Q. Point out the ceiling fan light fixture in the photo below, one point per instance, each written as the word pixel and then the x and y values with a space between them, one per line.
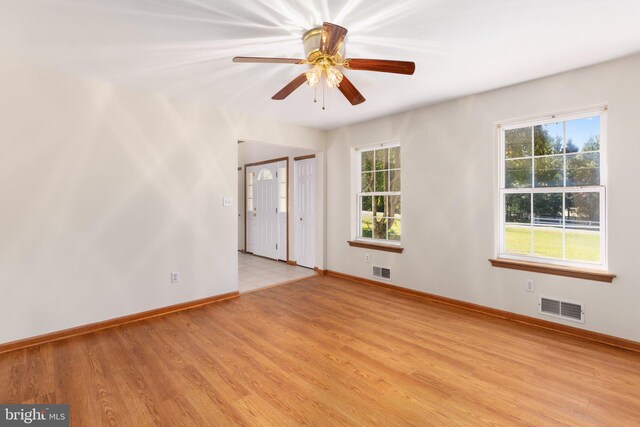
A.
pixel 314 75
pixel 334 77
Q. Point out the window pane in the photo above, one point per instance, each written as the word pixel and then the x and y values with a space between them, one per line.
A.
pixel 382 183
pixel 583 245
pixel 367 182
pixel 366 205
pixel 518 173
pixel 380 228
pixel 394 178
pixel 583 169
pixel 582 219
pixel 547 213
pixel 547 209
pixel 366 220
pixel 366 226
pixel 379 206
pixel 517 239
pixel 395 231
pixel 265 175
pixel 393 206
pixel 382 159
pixel 582 210
pixel 547 139
pixel 583 134
pixel 549 171
pixel 367 161
pixel 394 158
pixel 518 208
pixel 517 142
pixel 547 242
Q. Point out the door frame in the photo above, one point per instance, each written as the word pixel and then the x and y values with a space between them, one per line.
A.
pixel 264 162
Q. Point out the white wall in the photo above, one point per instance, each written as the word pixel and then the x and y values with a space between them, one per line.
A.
pixel 105 191
pixel 449 162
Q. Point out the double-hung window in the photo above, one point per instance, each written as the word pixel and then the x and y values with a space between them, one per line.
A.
pixel 552 192
pixel 379 213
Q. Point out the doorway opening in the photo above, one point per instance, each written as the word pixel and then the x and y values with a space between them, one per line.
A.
pixel 276 214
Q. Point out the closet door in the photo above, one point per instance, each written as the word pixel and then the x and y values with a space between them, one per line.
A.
pixel 305 219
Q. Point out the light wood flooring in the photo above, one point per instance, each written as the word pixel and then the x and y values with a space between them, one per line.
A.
pixel 325 352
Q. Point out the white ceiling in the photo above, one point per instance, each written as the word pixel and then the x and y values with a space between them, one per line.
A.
pixel 183 48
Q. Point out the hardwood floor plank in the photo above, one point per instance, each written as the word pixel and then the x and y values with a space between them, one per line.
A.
pixel 326 351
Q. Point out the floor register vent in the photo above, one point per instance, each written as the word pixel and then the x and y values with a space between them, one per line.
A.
pixel 382 273
pixel 563 309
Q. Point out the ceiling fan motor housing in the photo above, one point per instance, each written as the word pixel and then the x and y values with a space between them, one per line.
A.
pixel 311 41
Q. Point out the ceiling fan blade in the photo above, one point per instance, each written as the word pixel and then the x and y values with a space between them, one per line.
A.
pixel 350 92
pixel 332 36
pixel 262 60
pixel 289 88
pixel 382 65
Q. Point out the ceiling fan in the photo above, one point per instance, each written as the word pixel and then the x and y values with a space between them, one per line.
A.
pixel 324 47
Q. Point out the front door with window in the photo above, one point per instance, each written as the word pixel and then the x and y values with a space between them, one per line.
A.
pixel 265 216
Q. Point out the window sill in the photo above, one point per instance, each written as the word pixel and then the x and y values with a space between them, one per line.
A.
pixel 376 246
pixel 580 273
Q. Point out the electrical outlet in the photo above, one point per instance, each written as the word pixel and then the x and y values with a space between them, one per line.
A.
pixel 175 277
pixel 226 202
pixel 530 285
pixel 367 257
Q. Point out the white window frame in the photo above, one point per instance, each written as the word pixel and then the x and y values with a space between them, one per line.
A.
pixel 358 185
pixel 601 189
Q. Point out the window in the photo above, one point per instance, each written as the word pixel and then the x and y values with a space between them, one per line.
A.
pixel 379 215
pixel 265 175
pixel 552 193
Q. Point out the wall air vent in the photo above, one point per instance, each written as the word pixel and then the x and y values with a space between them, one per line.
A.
pixel 381 272
pixel 562 309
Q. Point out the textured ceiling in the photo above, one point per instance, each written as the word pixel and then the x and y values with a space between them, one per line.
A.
pixel 183 48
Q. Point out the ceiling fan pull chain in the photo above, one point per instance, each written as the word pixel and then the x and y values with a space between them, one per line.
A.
pixel 315 93
pixel 323 94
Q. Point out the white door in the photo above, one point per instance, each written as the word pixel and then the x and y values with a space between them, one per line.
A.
pixel 305 219
pixel 265 200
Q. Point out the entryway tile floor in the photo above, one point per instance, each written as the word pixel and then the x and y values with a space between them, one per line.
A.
pixel 255 272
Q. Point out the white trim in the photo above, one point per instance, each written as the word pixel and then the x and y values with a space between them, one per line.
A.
pixel 388 144
pixel 552 118
pixel 601 189
pixel 379 241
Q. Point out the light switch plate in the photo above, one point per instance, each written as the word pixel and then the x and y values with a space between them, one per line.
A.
pixel 530 285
